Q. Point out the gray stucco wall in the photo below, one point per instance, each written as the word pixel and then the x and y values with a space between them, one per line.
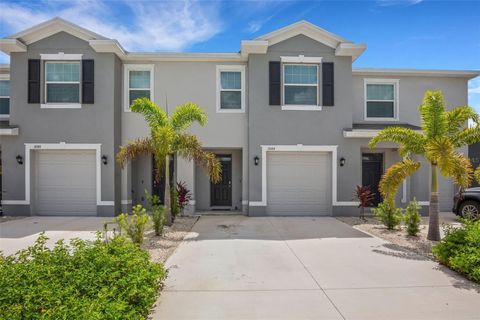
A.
pixel 269 125
pixel 178 83
pixel 93 123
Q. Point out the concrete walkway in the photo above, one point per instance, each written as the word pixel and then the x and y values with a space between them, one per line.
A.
pixel 236 267
pixel 19 234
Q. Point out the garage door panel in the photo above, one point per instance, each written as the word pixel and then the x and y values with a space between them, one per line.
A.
pixel 299 183
pixel 65 182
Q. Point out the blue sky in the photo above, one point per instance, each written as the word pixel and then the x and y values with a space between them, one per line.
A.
pixel 428 34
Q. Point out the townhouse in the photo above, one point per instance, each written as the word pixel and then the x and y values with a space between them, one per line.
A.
pixel 289 118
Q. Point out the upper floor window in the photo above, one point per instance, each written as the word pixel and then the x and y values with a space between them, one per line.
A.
pixel 62 82
pixel 381 98
pixel 4 98
pixel 230 88
pixel 300 84
pixel 138 83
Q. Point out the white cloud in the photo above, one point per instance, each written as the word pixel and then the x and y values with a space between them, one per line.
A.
pixel 254 26
pixel 142 26
pixel 389 3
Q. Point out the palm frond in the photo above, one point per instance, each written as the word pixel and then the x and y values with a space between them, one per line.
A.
pixel 438 148
pixel 153 114
pixel 457 118
pixel 186 114
pixel 432 112
pixel 190 148
pixel 163 139
pixel 466 136
pixel 477 174
pixel 458 167
pixel 394 176
pixel 133 149
pixel 409 140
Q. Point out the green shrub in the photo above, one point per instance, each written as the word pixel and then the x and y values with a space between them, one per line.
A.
pixel 135 226
pixel 157 212
pixel 460 249
pixel 83 280
pixel 412 218
pixel 390 217
pixel 174 203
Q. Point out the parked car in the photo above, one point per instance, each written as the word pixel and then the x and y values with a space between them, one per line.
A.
pixel 467 203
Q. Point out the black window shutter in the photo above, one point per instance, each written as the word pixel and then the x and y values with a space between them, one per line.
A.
pixel 33 81
pixel 327 84
pixel 274 83
pixel 88 88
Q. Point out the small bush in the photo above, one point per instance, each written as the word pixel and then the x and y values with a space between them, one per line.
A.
pixel 365 198
pixel 157 212
pixel 391 217
pixel 460 249
pixel 174 203
pixel 83 280
pixel 136 226
pixel 184 195
pixel 412 218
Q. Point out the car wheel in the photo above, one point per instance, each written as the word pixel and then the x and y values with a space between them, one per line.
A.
pixel 470 210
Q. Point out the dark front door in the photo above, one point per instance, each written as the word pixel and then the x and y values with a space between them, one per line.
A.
pixel 221 193
pixel 158 187
pixel 372 170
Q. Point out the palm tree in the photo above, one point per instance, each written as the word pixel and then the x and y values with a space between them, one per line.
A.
pixel 168 137
pixel 442 133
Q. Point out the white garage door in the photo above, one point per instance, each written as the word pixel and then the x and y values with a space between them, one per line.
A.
pixel 65 182
pixel 299 183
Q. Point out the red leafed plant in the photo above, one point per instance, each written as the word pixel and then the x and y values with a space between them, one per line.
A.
pixel 365 197
pixel 184 195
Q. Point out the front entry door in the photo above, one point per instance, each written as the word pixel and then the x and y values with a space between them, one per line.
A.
pixel 372 170
pixel 221 193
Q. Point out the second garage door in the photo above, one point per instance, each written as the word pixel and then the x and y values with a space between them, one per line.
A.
pixel 299 183
pixel 65 182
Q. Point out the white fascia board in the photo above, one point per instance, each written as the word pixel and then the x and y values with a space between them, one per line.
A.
pixel 300 59
pixel 364 133
pixel 194 57
pixel 9 132
pixel 305 28
pixel 350 50
pixel 61 56
pixel 12 45
pixel 469 74
pixel 253 47
pixel 108 46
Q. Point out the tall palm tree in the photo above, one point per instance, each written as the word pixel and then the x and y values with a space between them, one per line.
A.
pixel 442 133
pixel 168 137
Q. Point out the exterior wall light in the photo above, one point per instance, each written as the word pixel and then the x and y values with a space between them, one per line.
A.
pixel 104 159
pixel 19 159
pixel 256 160
pixel 342 161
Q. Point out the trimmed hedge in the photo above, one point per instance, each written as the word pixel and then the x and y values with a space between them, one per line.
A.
pixel 460 249
pixel 82 280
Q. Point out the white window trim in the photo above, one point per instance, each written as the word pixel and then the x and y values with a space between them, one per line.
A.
pixel 126 82
pixel 296 61
pixel 61 56
pixel 396 85
pixel 29 147
pixel 62 59
pixel 5 77
pixel 300 148
pixel 233 68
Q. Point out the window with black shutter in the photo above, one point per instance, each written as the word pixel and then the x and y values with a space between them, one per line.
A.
pixel 274 83
pixel 34 81
pixel 88 89
pixel 327 84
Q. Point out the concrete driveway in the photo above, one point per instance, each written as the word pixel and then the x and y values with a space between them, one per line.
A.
pixel 21 233
pixel 236 267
